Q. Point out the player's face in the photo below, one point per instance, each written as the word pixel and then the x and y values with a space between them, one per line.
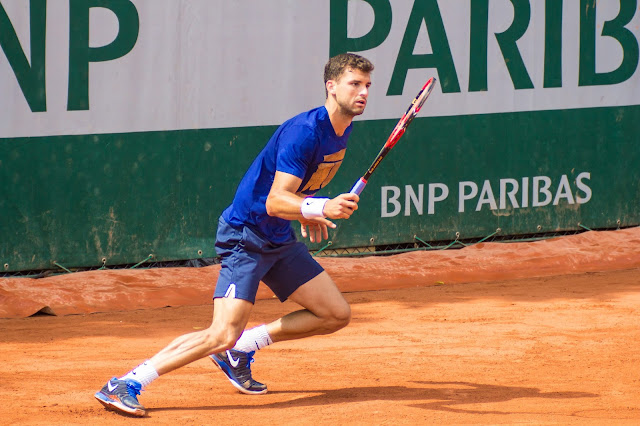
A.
pixel 352 91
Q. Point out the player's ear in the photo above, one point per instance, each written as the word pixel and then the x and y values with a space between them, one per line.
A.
pixel 331 87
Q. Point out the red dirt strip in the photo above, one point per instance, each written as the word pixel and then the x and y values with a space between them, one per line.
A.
pixel 127 289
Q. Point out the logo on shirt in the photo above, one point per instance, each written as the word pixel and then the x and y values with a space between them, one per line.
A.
pixel 325 172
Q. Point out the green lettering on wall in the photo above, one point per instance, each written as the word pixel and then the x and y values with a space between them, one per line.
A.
pixel 615 28
pixel 31 77
pixel 507 42
pixel 441 59
pixel 478 42
pixel 81 54
pixel 339 42
pixel 553 43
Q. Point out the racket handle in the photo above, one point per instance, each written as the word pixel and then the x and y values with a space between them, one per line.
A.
pixel 358 187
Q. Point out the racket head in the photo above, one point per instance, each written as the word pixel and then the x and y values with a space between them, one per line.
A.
pixel 411 112
pixel 419 101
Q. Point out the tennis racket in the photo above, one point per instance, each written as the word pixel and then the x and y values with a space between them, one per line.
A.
pixel 396 134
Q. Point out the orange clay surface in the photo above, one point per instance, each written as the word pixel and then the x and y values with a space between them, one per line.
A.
pixel 542 333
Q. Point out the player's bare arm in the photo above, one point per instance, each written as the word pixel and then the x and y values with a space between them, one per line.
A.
pixel 284 202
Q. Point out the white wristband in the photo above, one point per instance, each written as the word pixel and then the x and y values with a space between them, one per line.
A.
pixel 313 207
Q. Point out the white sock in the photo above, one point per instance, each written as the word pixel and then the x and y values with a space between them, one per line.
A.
pixel 144 374
pixel 253 339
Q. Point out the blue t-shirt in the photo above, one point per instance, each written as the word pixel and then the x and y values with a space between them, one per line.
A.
pixel 305 146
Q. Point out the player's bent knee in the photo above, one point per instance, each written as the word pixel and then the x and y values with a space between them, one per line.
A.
pixel 220 340
pixel 228 342
pixel 340 318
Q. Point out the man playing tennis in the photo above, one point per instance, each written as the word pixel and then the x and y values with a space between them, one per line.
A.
pixel 256 242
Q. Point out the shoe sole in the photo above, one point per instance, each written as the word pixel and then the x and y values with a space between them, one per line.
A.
pixel 118 407
pixel 233 382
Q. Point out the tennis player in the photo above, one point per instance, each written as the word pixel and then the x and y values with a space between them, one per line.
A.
pixel 256 242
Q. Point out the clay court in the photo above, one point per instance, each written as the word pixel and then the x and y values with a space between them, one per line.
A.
pixel 544 332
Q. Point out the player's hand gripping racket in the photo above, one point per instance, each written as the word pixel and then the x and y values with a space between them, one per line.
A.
pixel 397 133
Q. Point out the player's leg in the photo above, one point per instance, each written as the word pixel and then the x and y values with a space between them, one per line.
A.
pixel 297 276
pixel 326 311
pixel 246 257
pixel 291 272
pixel 230 317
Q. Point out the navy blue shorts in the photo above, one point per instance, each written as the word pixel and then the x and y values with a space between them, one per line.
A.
pixel 248 258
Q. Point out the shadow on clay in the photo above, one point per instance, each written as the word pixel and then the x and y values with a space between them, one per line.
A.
pixel 439 396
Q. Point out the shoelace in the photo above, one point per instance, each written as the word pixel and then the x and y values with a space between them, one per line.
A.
pixel 133 389
pixel 250 359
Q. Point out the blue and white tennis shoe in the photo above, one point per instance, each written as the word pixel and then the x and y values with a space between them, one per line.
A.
pixel 121 396
pixel 236 365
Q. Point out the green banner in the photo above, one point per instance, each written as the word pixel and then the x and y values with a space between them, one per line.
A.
pixel 116 199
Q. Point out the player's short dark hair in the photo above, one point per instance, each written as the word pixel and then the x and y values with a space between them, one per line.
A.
pixel 344 61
